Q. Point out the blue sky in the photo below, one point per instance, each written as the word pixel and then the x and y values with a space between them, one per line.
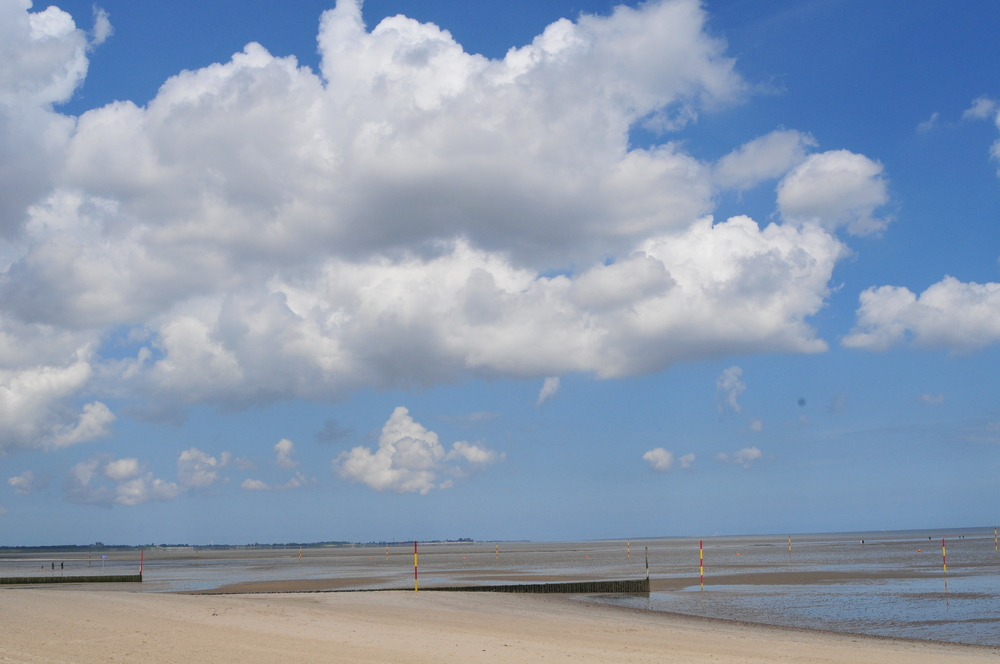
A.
pixel 670 269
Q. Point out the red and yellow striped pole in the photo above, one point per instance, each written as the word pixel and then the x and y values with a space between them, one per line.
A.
pixel 944 557
pixel 629 545
pixel 789 544
pixel 701 564
pixel 416 588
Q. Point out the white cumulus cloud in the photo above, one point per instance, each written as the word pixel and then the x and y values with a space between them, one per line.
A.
pixel 409 458
pixel 764 158
pixel 950 314
pixel 834 189
pixel 123 469
pixel 196 468
pixel 659 459
pixel 83 484
pixel 284 451
pixel 408 214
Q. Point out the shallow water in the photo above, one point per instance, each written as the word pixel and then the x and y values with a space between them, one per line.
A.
pixel 893 585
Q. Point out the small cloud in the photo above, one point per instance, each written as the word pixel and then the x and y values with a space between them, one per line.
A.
pixel 744 457
pixel 195 468
pixel 143 489
pixel 687 461
pixel 285 450
pixel 756 425
pixel 549 390
pixel 472 453
pixel 102 27
pixel 933 399
pixel 729 387
pixel 27 483
pixel 123 469
pixel 254 485
pixel 659 459
pixel 244 463
pixel 332 432
pixel 929 123
pixel 83 485
pixel 982 108
pixel 298 481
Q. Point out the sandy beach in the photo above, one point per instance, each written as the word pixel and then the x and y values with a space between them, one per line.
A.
pixel 73 625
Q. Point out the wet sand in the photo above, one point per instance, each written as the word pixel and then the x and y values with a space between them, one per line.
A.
pixel 55 625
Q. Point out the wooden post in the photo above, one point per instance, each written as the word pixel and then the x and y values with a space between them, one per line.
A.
pixel 789 544
pixel 416 588
pixel 944 557
pixel 142 555
pixel 629 545
pixel 647 563
pixel 701 564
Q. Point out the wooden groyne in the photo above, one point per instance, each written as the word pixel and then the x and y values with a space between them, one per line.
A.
pixel 629 587
pixel 36 580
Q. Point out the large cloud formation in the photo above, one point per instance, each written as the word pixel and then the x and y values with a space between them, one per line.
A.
pixel 409 214
pixel 410 458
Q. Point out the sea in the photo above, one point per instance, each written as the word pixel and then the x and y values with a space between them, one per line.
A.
pixel 907 584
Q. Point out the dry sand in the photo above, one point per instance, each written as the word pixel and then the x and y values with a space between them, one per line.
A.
pixel 64 625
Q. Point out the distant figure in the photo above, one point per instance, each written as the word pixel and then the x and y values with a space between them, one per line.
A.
pixel 53 565
pixel 862 541
pixel 62 566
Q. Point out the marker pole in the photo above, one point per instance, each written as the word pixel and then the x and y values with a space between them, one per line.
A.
pixel 944 557
pixel 142 554
pixel 629 545
pixel 789 544
pixel 300 553
pixel 996 543
pixel 387 552
pixel 647 563
pixel 416 588
pixel 498 551
pixel 701 564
